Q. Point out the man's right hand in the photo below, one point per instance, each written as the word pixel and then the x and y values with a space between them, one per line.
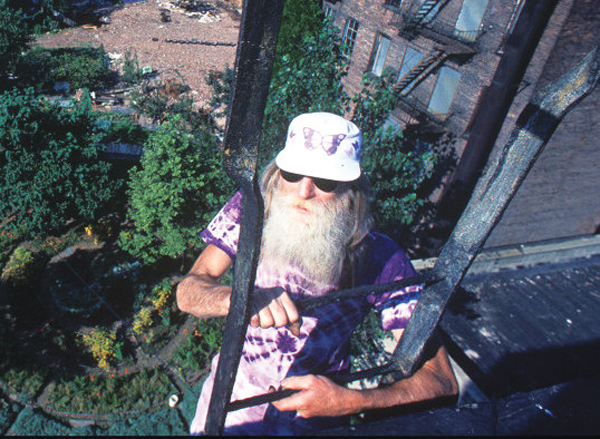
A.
pixel 274 307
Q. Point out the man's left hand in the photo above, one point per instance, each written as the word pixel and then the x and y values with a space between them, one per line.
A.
pixel 317 396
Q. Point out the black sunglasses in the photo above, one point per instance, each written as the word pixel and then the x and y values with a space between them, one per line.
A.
pixel 322 183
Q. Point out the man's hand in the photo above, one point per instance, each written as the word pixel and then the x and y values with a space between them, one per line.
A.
pixel 274 307
pixel 318 396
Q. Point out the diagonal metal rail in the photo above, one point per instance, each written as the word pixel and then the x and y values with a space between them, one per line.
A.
pixel 254 60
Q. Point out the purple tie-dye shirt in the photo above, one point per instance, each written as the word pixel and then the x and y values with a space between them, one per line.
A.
pixel 271 354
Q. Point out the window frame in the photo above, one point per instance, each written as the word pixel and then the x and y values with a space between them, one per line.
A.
pixel 377 63
pixel 349 35
pixel 436 90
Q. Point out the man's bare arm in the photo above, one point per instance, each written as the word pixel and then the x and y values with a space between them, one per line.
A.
pixel 200 293
pixel 320 396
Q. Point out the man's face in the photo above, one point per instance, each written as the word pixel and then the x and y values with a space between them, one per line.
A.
pixel 306 191
pixel 308 226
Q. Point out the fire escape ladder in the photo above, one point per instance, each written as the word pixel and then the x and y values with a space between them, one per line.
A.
pixel 417 20
pixel 419 72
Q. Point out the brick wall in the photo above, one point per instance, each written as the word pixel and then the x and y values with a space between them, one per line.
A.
pixel 559 198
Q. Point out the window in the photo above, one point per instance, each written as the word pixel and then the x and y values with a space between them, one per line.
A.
pixel 443 93
pixel 380 50
pixel 349 36
pixel 469 19
pixel 329 12
pixel 411 59
pixel 393 4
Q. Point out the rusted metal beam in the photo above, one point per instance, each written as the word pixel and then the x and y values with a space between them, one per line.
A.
pixel 254 60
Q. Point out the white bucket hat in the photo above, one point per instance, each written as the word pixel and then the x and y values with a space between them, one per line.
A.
pixel 322 145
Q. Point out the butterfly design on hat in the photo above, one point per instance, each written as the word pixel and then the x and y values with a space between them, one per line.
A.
pixel 313 139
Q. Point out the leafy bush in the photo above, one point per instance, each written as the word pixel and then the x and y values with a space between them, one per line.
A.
pixel 201 343
pixel 30 422
pixel 75 67
pixel 20 377
pixel 112 393
pixel 132 73
pixel 14 39
pixel 120 128
pixel 103 345
pixel 307 83
pixel 19 266
pixel 158 318
pixel 165 422
pixel 404 167
pixel 50 170
pixel 175 191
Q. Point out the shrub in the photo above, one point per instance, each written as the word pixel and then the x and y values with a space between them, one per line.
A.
pixel 132 73
pixel 111 393
pixel 19 267
pixel 164 422
pixel 14 39
pixel 200 344
pixel 307 83
pixel 50 170
pixel 30 422
pixel 103 345
pixel 400 167
pixel 175 191
pixel 142 320
pixel 75 67
pixel 18 375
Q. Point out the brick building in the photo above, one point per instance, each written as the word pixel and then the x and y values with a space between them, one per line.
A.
pixel 469 67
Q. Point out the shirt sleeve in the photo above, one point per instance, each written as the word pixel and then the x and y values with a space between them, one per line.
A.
pixel 396 307
pixel 224 230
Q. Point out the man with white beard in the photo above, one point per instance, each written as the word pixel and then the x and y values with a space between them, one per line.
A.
pixel 317 238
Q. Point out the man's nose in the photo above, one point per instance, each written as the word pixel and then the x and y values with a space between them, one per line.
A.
pixel 306 188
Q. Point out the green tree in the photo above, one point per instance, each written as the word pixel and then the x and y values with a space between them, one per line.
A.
pixel 307 83
pixel 299 20
pixel 14 39
pixel 174 192
pixel 50 169
pixel 402 167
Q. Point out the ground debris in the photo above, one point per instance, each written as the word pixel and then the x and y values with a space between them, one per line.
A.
pixel 202 10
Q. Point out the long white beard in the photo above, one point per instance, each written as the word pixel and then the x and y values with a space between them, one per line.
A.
pixel 316 243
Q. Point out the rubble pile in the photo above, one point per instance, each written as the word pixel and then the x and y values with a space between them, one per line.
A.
pixel 204 11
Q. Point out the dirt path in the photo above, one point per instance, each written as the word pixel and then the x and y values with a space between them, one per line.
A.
pixel 143 27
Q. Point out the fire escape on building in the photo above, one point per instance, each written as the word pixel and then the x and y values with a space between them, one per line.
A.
pixel 419 18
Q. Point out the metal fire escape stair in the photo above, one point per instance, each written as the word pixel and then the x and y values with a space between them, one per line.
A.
pixel 420 71
pixel 418 19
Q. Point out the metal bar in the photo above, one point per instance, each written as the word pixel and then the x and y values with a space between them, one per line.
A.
pixel 314 302
pixel 364 290
pixel 503 176
pixel 254 60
